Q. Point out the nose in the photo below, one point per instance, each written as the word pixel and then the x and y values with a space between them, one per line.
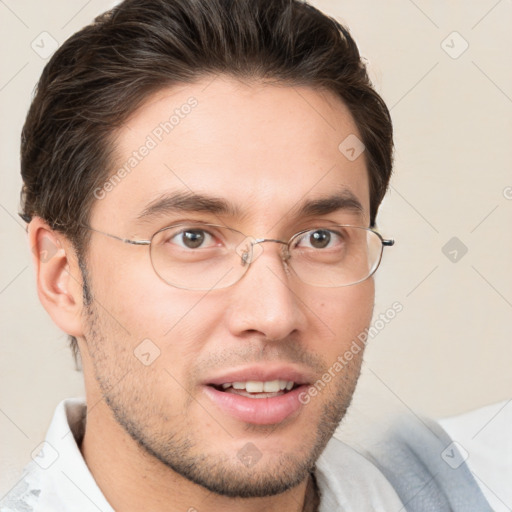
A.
pixel 266 300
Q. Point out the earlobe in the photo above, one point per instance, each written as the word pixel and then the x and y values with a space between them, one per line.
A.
pixel 58 277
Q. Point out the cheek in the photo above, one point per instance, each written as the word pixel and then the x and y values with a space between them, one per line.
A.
pixel 128 289
pixel 344 313
pixel 140 314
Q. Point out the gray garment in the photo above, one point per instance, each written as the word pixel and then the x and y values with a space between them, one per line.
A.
pixel 427 469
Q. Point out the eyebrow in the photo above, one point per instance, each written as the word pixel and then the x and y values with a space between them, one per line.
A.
pixel 180 202
pixel 344 200
pixel 188 202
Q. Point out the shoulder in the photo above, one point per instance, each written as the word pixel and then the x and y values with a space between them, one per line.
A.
pixel 426 467
pixel 57 478
pixel 484 437
pixel 24 496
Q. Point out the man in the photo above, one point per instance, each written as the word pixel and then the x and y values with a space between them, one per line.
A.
pixel 201 183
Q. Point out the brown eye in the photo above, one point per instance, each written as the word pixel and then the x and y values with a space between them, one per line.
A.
pixel 192 239
pixel 320 239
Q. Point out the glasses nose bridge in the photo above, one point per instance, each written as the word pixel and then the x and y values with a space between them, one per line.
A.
pixel 258 241
pixel 275 240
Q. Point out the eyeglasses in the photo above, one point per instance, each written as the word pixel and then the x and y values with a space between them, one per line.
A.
pixel 197 256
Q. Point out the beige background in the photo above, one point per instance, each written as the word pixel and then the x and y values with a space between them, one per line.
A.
pixel 449 350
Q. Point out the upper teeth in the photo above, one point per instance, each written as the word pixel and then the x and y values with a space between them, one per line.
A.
pixel 257 386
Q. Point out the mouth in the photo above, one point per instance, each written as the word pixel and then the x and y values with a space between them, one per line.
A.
pixel 261 396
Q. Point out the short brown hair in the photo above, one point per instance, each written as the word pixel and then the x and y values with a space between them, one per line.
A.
pixel 101 74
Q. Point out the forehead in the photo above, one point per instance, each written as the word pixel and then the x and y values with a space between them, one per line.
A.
pixel 262 148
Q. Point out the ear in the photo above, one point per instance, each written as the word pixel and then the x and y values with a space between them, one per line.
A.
pixel 58 276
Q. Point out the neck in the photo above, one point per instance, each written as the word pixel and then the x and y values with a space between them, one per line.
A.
pixel 133 480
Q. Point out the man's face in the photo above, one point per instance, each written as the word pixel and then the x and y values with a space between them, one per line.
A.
pixel 160 354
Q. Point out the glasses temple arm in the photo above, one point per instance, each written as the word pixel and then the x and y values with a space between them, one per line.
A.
pixel 125 240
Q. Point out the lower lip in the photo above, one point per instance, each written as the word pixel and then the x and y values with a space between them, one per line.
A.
pixel 259 411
